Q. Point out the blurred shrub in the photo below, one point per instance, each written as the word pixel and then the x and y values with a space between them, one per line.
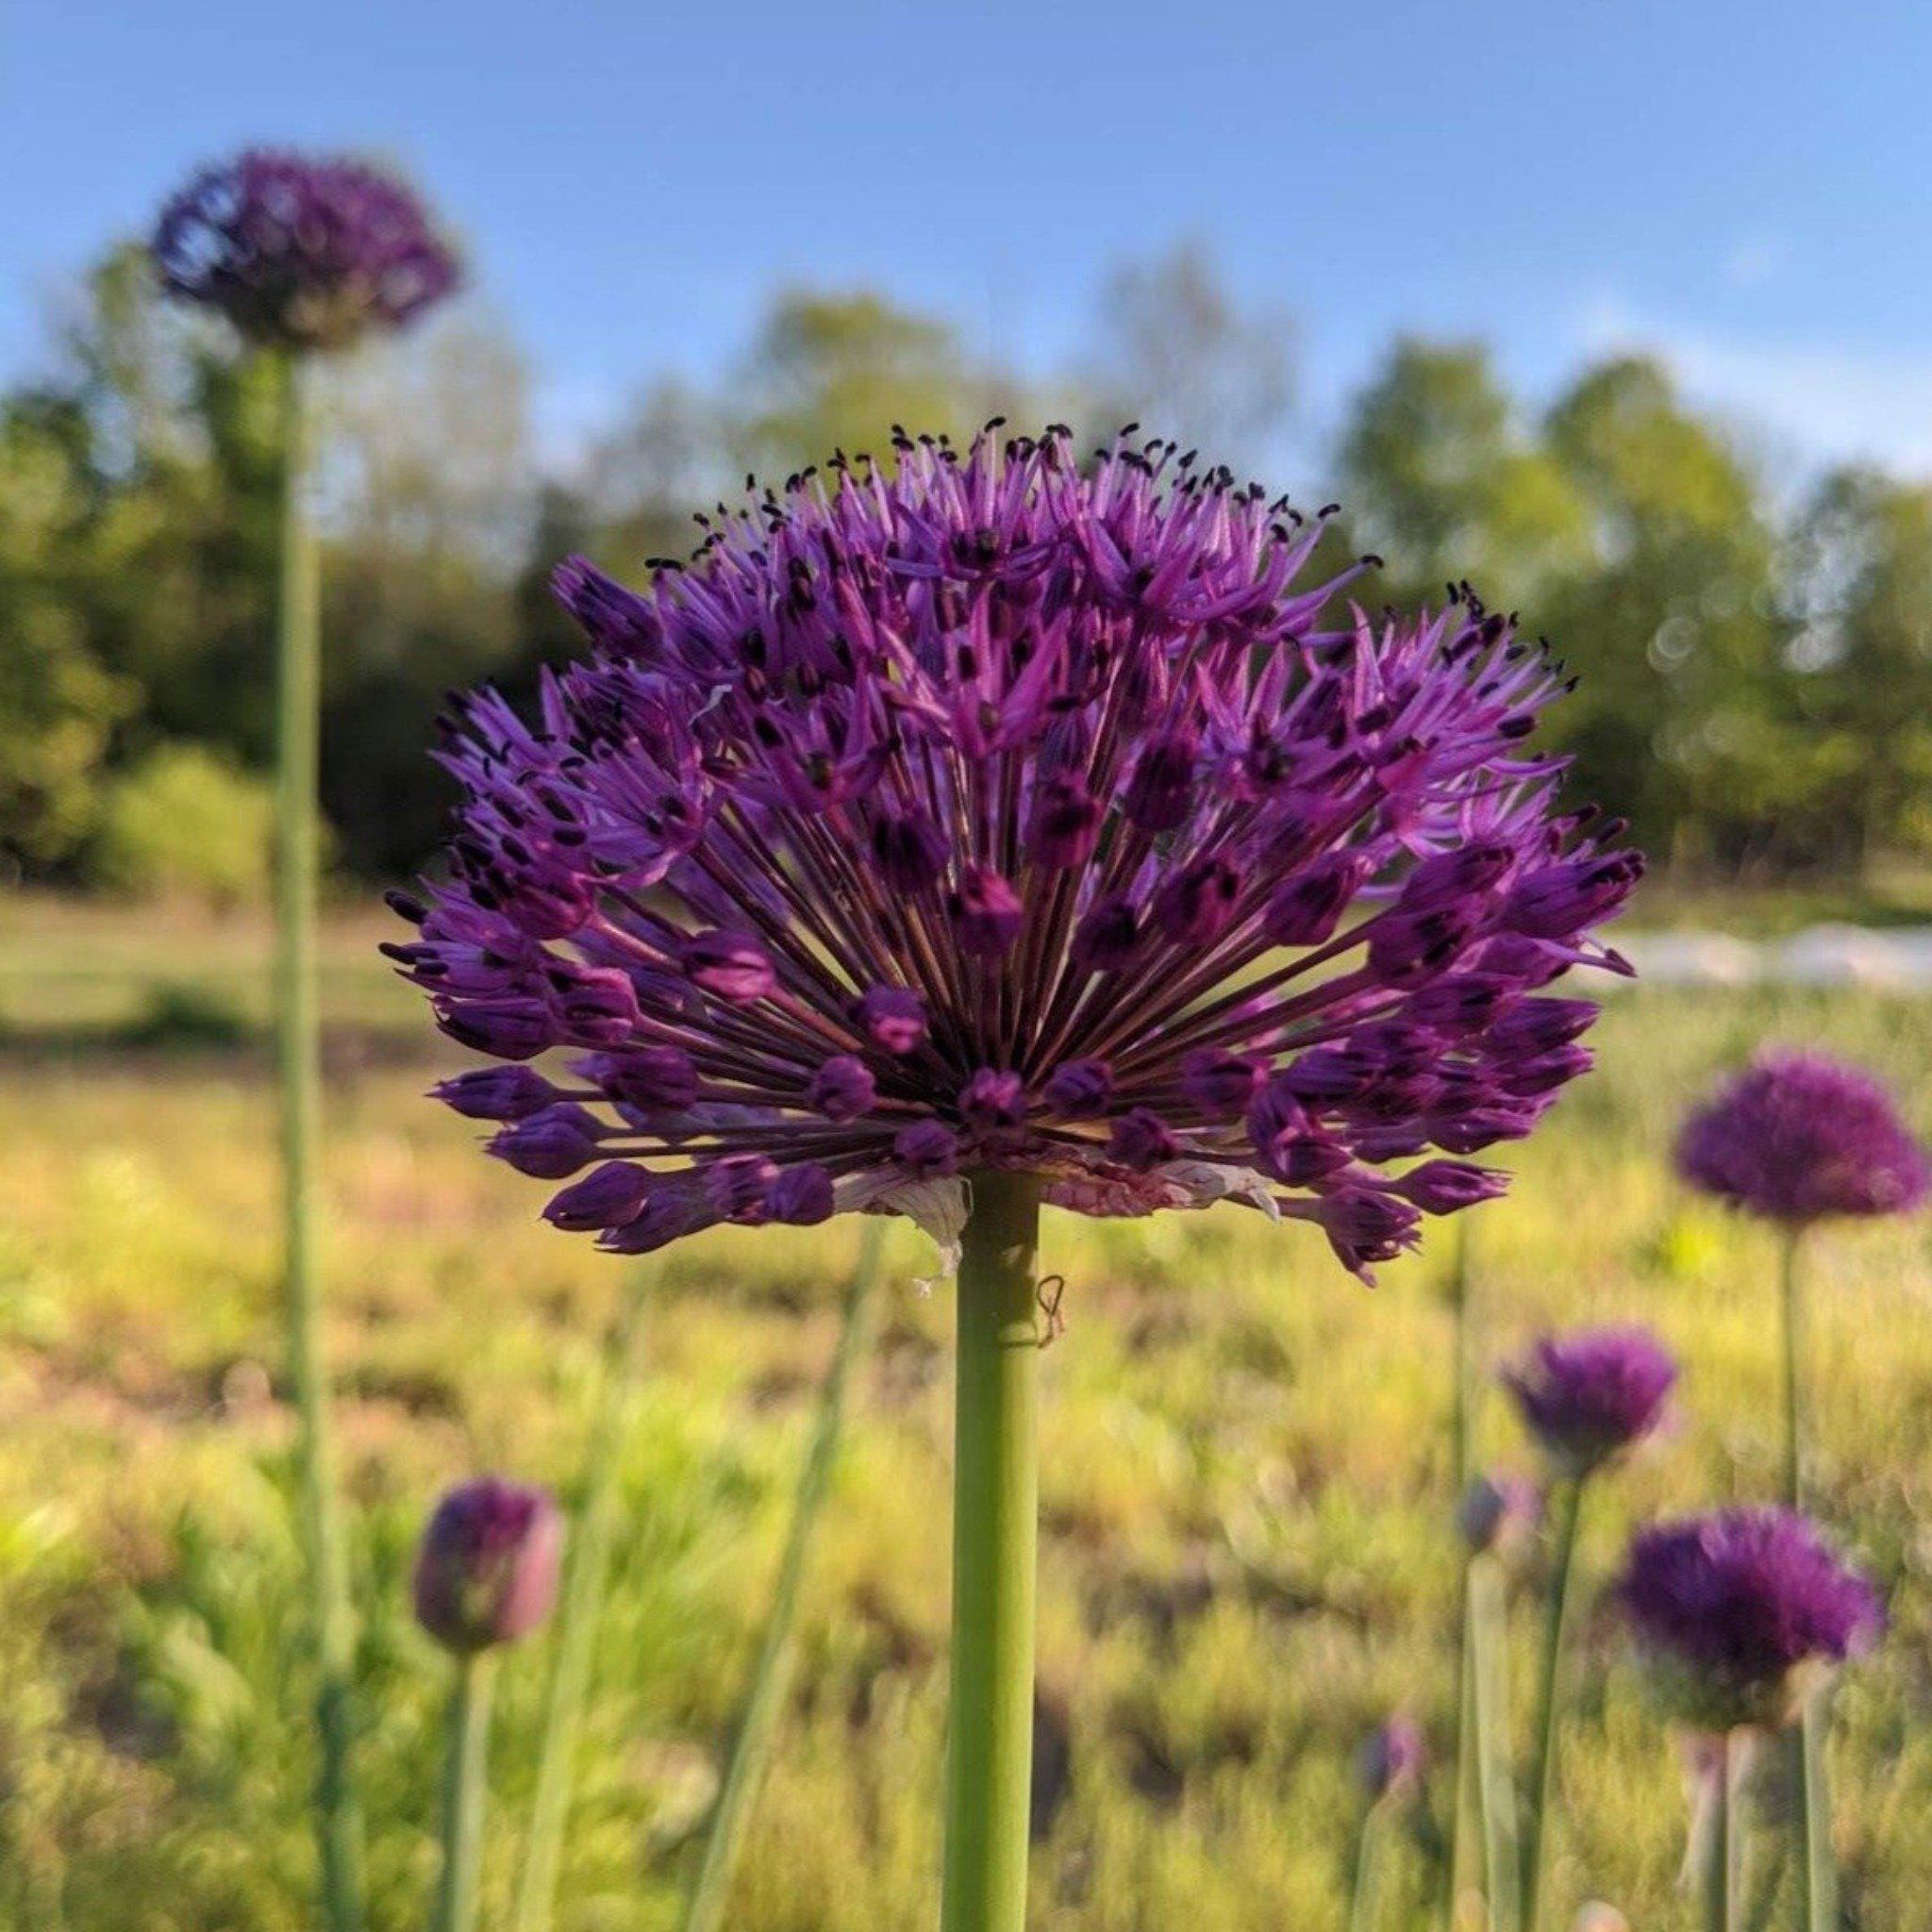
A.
pixel 185 822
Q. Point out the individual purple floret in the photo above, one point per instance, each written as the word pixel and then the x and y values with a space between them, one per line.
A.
pixel 486 1571
pixel 1392 1757
pixel 989 811
pixel 302 253
pixel 1741 1611
pixel 1588 1397
pixel 1797 1136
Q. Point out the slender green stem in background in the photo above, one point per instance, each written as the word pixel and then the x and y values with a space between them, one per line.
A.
pixel 580 1617
pixel 1792 1306
pixel 1362 1903
pixel 995 1510
pixel 1489 1653
pixel 1461 1430
pixel 771 1680
pixel 298 695
pixel 1567 1505
pixel 1719 1851
pixel 1463 1424
pixel 1820 1862
pixel 465 1792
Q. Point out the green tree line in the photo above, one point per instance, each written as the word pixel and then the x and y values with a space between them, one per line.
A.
pixel 1755 665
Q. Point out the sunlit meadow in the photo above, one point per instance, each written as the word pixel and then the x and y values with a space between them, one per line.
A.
pixel 1248 1554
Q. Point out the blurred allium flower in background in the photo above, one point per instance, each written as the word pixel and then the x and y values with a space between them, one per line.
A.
pixel 1797 1136
pixel 1588 1397
pixel 992 814
pixel 487 1568
pixel 1497 1513
pixel 1392 1757
pixel 1740 1610
pixel 302 253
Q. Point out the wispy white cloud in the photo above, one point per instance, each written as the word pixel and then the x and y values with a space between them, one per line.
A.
pixel 1823 402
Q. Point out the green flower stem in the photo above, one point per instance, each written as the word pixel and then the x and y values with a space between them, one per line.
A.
pixel 1366 1895
pixel 1720 1852
pixel 465 1792
pixel 771 1680
pixel 1542 1762
pixel 1461 1420
pixel 1489 1717
pixel 995 1507
pixel 1792 1303
pixel 580 1617
pixel 298 695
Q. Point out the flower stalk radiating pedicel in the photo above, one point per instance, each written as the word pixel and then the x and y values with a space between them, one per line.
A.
pixel 1587 1399
pixel 486 1575
pixel 988 832
pixel 1797 1138
pixel 303 255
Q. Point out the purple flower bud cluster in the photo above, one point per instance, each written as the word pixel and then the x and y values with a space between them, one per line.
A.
pixel 1591 1396
pixel 1736 1611
pixel 486 1567
pixel 300 253
pixel 986 811
pixel 1797 1136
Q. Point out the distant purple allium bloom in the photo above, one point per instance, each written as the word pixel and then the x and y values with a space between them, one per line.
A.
pixel 1740 1610
pixel 957 817
pixel 1497 1512
pixel 486 1571
pixel 1588 1397
pixel 1392 1757
pixel 1797 1136
pixel 302 253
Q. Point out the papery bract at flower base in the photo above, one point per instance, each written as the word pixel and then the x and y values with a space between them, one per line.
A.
pixel 1797 1137
pixel 1740 1611
pixel 991 814
pixel 302 253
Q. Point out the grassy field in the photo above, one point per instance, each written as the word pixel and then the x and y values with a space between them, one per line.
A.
pixel 1248 1557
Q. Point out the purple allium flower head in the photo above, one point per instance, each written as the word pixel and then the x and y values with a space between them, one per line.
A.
pixel 302 253
pixel 991 812
pixel 1392 1757
pixel 1740 1610
pixel 486 1570
pixel 1797 1136
pixel 1588 1397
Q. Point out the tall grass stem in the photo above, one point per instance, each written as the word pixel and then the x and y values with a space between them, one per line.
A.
pixel 1489 1655
pixel 1541 1783
pixel 465 1791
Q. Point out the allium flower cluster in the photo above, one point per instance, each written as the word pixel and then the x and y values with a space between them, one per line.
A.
pixel 487 1568
pixel 1797 1136
pixel 995 813
pixel 1739 1611
pixel 1591 1396
pixel 300 253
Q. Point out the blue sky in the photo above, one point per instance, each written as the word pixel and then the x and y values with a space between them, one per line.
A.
pixel 1743 187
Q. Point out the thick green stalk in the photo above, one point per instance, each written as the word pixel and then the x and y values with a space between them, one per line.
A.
pixel 465 1792
pixel 1792 1308
pixel 1461 1421
pixel 770 1681
pixel 995 1509
pixel 1542 1762
pixel 578 1619
pixel 1489 1717
pixel 1719 1848
pixel 298 703
pixel 1363 1901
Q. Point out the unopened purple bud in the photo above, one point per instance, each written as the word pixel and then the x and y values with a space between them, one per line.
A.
pixel 1497 1512
pixel 843 1088
pixel 1142 1140
pixel 986 912
pixel 993 1098
pixel 595 1006
pixel 1535 1026
pixel 653 1078
pixel 1392 1759
pixel 1305 909
pixel 1558 900
pixel 930 1150
pixel 1194 908
pixel 1458 1003
pixel 507 1030
pixel 800 1196
pixel 1444 1187
pixel 550 1145
pixel 893 1018
pixel 1406 948
pixel 1079 1090
pixel 1547 1071
pixel 1107 936
pixel 496 1094
pixel 1221 1084
pixel 909 850
pixel 608 1196
pixel 1161 793
pixel 486 1570
pixel 732 966
pixel 1064 825
pixel 1468 872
